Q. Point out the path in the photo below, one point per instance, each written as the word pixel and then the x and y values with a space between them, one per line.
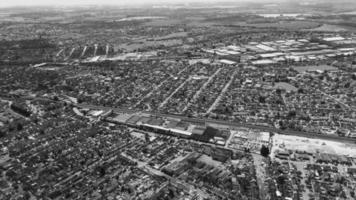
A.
pixel 175 91
pixel 197 94
pixel 84 50
pixel 155 89
pixel 217 101
pixel 95 49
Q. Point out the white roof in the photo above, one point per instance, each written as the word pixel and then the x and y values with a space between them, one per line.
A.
pixel 180 132
pixel 39 65
pixel 157 127
pixel 77 112
pixel 332 39
pixel 72 99
pixel 347 49
pixel 263 62
pixel 227 51
pixel 94 59
pixel 220 142
pixel 232 52
pixel 269 55
pixel 235 48
pixel 96 113
pixel 229 62
pixel 172 129
pixel 265 47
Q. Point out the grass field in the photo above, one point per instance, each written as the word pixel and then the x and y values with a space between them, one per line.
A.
pixel 314 68
pixel 328 28
pixel 290 25
pixel 286 86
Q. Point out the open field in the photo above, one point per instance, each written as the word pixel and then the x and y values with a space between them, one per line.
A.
pixel 314 68
pixel 314 145
pixel 286 86
pixel 328 28
pixel 290 25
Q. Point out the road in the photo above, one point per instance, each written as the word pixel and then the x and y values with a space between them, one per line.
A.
pixel 197 94
pixel 227 123
pixel 336 100
pixel 96 49
pixel 70 54
pixel 156 88
pixel 175 91
pixel 59 52
pixel 107 50
pixel 217 101
pixel 261 175
pixel 84 50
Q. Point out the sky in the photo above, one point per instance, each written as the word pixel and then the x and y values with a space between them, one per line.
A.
pixel 6 3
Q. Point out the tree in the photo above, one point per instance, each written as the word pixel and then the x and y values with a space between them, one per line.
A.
pixel 278 91
pixel 281 180
pixel 337 106
pixel 19 127
pixel 347 85
pixel 42 132
pixel 80 100
pixel 262 99
pixel 147 138
pixel 292 114
pixel 353 76
pixel 2 133
pixel 265 151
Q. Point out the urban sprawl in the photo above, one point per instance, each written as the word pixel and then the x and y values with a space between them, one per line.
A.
pixel 194 103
